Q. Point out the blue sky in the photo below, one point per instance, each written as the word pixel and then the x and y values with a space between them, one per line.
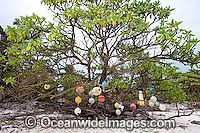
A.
pixel 185 10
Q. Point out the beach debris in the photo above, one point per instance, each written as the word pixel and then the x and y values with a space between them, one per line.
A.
pixel 46 86
pixel 118 112
pixel 133 106
pixel 101 98
pixel 96 91
pixel 152 90
pixel 157 103
pixel 153 99
pixel 195 122
pixel 121 106
pixel 162 107
pixel 77 111
pixel 141 103
pixel 105 83
pixel 151 104
pixel 91 100
pixel 116 105
pixel 91 94
pixel 78 100
pixel 80 90
pixel 59 103
pixel 141 97
pixel 60 89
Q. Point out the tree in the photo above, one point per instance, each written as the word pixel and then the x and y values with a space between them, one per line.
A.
pixel 2 53
pixel 190 83
pixel 125 42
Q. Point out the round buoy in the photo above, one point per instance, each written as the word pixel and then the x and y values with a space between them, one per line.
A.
pixel 138 103
pixel 91 100
pixel 91 94
pixel 141 103
pixel 96 91
pixel 133 106
pixel 46 86
pixel 157 103
pixel 152 90
pixel 78 100
pixel 118 112
pixel 101 98
pixel 162 107
pixel 80 89
pixel 77 111
pixel 153 99
pixel 116 105
pixel 151 104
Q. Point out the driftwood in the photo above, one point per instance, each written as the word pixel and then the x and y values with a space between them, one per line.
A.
pixel 178 111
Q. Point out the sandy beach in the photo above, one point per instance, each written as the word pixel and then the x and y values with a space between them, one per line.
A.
pixel 184 124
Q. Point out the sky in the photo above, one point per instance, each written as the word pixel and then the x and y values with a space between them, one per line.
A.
pixel 185 10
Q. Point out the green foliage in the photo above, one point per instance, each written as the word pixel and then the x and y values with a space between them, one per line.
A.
pixel 116 43
pixel 1 88
pixel 10 80
pixel 176 95
pixel 190 83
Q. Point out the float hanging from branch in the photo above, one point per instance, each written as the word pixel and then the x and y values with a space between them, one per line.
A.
pixel 117 111
pixel 78 100
pixel 105 83
pixel 96 91
pixel 91 99
pixel 80 90
pixel 141 99
pixel 152 90
pixel 46 86
pixel 133 106
pixel 121 106
pixel 101 98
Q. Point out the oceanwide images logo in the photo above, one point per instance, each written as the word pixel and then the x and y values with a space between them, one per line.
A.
pixel 128 124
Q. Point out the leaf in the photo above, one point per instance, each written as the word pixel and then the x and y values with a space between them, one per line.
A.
pixel 10 80
pixel 104 24
pixel 114 23
pixel 29 47
pixel 14 39
pixel 1 88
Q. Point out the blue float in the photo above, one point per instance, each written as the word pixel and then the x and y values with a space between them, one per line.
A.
pixel 152 90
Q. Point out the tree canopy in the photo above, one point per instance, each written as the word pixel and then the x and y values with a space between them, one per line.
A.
pixel 125 42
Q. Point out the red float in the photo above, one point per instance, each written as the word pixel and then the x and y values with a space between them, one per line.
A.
pixel 101 98
pixel 80 89
pixel 133 106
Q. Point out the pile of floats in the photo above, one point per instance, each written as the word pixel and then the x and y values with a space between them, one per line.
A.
pixel 97 92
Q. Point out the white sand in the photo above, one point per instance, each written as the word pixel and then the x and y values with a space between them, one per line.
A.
pixel 183 125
